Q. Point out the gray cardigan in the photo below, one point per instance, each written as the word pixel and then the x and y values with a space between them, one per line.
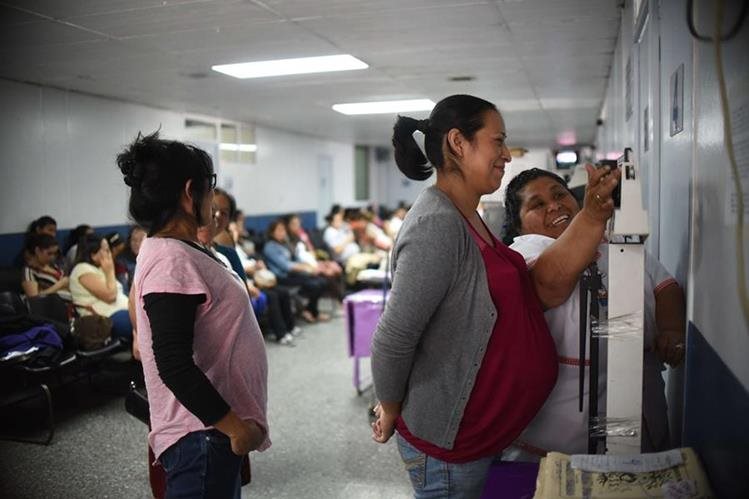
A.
pixel 432 336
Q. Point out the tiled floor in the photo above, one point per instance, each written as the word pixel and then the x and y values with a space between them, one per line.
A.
pixel 319 427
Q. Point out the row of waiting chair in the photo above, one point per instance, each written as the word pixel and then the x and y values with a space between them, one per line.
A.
pixel 35 374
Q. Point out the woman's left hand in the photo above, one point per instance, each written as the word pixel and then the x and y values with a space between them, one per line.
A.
pixel 384 426
pixel 669 345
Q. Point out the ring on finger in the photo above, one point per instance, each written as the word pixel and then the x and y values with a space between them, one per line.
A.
pixel 598 198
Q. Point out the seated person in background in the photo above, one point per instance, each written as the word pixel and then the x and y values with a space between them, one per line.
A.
pixel 342 242
pixel 71 244
pixel 371 214
pixel 539 207
pixel 305 251
pixel 291 272
pixel 238 225
pixel 41 276
pixel 94 288
pixel 117 247
pixel 129 256
pixel 280 316
pixel 43 225
pixel 368 236
pixel 225 206
pixel 339 237
pixel 395 222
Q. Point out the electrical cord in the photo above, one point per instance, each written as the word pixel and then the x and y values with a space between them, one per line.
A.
pixel 728 139
pixel 718 35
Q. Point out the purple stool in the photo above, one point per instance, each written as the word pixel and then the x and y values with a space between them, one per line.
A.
pixel 511 480
pixel 362 311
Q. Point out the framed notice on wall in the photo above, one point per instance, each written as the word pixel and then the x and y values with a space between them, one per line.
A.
pixel 676 89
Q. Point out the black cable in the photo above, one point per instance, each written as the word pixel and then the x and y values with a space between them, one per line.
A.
pixel 723 38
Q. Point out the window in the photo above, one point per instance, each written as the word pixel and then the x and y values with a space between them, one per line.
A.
pixel 361 173
pixel 229 143
pixel 203 131
pixel 237 143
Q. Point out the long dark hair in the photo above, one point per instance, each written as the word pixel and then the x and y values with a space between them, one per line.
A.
pixel 513 203
pixel 41 241
pixel 464 112
pixel 74 235
pixel 87 246
pixel 40 222
pixel 156 171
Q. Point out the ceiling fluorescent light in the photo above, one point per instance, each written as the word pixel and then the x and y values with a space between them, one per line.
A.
pixel 303 65
pixel 385 107
pixel 224 146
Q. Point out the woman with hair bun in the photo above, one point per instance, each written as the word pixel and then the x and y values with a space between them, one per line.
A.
pixel 462 358
pixel 202 350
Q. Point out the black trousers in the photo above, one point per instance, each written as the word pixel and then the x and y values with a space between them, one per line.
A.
pixel 280 313
pixel 311 287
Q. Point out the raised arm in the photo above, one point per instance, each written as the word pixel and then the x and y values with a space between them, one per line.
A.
pixel 558 269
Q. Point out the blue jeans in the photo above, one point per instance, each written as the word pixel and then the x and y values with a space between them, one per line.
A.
pixel 121 326
pixel 202 465
pixel 432 478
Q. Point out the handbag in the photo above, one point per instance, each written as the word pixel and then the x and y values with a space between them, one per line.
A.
pixel 136 404
pixel 92 332
pixel 264 278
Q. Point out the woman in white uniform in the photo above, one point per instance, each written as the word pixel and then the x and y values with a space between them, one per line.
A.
pixel 538 208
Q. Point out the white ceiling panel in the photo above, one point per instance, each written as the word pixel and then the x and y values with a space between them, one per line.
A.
pixel 42 33
pixel 543 62
pixel 68 9
pixel 196 16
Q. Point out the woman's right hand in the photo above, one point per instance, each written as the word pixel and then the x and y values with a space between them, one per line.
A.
pixel 598 204
pixel 106 262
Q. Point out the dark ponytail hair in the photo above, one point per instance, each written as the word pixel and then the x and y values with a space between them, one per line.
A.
pixel 156 170
pixel 40 222
pixel 74 235
pixel 464 112
pixel 513 203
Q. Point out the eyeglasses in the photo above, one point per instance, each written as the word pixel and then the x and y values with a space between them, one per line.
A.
pixel 211 181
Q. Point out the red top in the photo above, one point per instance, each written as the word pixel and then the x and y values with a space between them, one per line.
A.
pixel 519 368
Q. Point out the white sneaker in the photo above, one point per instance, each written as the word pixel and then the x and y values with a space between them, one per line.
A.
pixel 287 340
pixel 296 331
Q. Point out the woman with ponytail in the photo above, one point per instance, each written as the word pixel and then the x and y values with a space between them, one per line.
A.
pixel 462 358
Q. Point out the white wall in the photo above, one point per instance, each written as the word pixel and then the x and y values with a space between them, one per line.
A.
pixel 58 154
pixel 713 266
pixel 59 149
pixel 534 158
pixel 688 181
pixel 285 176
